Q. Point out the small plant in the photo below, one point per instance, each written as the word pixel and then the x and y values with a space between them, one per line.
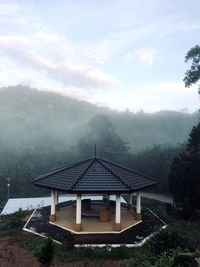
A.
pixel 170 238
pixel 121 252
pixel 13 223
pixel 45 251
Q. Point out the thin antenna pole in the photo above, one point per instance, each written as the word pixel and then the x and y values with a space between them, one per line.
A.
pixel 95 151
pixel 8 184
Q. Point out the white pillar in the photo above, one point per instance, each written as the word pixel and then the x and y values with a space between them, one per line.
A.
pixel 138 205
pixel 118 213
pixel 78 213
pixel 138 196
pixel 53 209
pixel 57 200
pixel 56 197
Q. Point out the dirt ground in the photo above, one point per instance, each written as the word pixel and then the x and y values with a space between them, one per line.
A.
pixel 13 255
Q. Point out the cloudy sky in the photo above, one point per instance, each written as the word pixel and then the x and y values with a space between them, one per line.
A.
pixel 117 53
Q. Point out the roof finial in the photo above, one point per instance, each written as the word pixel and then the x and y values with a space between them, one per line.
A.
pixel 95 151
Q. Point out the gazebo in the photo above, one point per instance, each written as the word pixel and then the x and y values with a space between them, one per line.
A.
pixel 95 176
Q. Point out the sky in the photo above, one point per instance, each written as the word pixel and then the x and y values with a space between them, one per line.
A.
pixel 124 54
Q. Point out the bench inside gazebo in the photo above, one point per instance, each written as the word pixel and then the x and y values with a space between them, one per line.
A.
pixel 95 176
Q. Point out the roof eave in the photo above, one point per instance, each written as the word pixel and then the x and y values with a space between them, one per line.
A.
pixel 70 191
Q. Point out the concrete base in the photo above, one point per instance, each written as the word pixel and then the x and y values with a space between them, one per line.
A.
pixel 57 207
pixel 130 207
pixel 138 217
pixel 52 217
pixel 118 227
pixel 74 212
pixel 78 227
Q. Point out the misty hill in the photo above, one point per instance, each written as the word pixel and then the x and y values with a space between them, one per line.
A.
pixel 28 116
pixel 40 131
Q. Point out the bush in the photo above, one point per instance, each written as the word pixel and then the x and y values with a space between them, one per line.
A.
pixel 45 251
pixel 173 258
pixel 170 238
pixel 121 252
pixel 185 260
pixel 12 224
pixel 101 253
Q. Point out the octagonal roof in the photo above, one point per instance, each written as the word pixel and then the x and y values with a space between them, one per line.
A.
pixel 94 175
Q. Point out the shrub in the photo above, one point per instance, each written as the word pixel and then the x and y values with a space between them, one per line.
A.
pixel 173 258
pixel 88 252
pixel 101 253
pixel 12 223
pixel 45 251
pixel 170 238
pixel 185 260
pixel 121 252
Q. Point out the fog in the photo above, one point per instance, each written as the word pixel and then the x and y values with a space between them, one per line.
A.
pixel 40 131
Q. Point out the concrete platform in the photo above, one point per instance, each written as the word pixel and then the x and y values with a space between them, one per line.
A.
pixel 134 235
pixel 91 224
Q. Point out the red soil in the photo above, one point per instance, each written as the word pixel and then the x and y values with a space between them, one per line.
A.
pixel 13 255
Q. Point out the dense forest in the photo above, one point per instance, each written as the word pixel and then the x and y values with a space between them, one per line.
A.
pixel 44 130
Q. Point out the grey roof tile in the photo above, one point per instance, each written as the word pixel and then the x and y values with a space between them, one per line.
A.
pixel 94 175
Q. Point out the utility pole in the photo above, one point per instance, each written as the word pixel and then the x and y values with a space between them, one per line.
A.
pixel 8 184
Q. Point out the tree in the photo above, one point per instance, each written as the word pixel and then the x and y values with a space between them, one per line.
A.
pixel 109 144
pixel 45 251
pixel 184 177
pixel 192 76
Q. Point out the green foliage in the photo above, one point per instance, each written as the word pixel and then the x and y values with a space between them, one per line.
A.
pixel 184 177
pixel 122 252
pixel 192 76
pixel 140 257
pixel 155 162
pixel 45 251
pixel 31 243
pixel 12 224
pixel 173 258
pixel 170 238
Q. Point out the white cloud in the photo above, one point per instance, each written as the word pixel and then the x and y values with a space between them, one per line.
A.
pixel 8 9
pixel 21 50
pixel 18 19
pixel 145 55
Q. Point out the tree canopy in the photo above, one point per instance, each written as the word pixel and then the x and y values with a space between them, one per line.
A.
pixel 192 76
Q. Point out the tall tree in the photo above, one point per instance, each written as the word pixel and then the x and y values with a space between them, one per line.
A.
pixel 109 144
pixel 192 76
pixel 184 177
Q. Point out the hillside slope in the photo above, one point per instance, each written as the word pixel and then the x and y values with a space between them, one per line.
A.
pixel 29 115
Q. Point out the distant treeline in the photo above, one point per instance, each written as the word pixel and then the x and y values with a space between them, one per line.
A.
pixel 40 131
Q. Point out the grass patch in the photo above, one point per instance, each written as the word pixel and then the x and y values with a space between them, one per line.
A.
pixel 82 253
